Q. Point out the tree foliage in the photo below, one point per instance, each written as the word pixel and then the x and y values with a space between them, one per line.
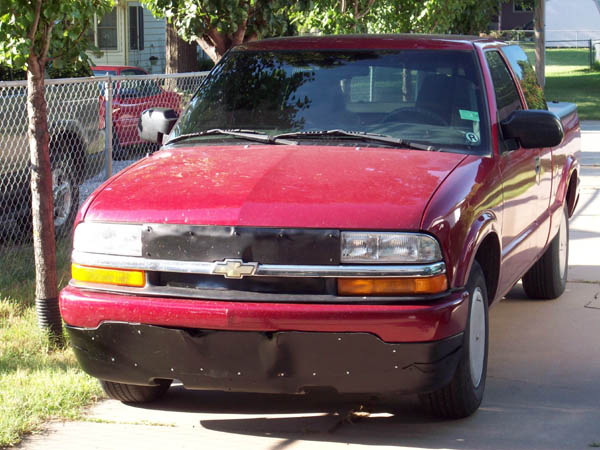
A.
pixel 57 34
pixel 399 16
pixel 217 25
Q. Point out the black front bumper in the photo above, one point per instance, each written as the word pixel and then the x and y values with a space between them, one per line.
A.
pixel 280 362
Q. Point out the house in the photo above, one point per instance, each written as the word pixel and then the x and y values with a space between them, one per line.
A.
pixel 569 23
pixel 572 23
pixel 130 35
pixel 514 15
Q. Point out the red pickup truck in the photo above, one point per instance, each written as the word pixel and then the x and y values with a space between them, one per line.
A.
pixel 328 212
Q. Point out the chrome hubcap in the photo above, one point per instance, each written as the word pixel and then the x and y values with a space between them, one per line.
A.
pixel 563 245
pixel 477 337
pixel 63 196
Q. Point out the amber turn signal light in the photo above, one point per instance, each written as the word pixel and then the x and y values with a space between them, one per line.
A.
pixel 392 286
pixel 103 275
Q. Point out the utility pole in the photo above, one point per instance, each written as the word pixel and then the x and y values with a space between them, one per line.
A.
pixel 540 41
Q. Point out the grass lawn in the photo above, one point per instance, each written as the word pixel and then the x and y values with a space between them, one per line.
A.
pixel 37 382
pixel 570 79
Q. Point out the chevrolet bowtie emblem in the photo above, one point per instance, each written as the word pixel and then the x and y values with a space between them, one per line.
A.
pixel 234 268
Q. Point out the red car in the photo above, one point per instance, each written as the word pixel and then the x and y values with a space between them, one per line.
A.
pixel 329 212
pixel 130 98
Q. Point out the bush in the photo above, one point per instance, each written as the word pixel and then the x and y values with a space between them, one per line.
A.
pixel 76 70
pixel 8 74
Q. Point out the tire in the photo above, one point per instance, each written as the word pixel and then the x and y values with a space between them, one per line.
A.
pixel 65 192
pixel 131 393
pixel 118 152
pixel 462 396
pixel 547 278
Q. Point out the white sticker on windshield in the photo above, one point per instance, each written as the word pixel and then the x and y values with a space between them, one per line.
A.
pixel 472 138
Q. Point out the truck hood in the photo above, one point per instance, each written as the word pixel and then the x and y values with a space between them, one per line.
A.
pixel 277 186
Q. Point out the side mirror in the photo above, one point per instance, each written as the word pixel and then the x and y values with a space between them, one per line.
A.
pixel 154 123
pixel 533 128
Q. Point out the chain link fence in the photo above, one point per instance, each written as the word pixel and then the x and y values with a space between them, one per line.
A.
pixel 577 49
pixel 93 133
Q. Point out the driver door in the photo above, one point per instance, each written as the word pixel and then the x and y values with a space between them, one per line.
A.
pixel 521 187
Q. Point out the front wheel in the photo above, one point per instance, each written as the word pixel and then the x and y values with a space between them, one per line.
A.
pixel 132 393
pixel 547 278
pixel 463 395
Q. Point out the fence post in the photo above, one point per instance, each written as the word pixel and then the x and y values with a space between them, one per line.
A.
pixel 108 102
pixel 591 54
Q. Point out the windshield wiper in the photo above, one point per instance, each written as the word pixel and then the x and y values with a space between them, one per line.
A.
pixel 360 135
pixel 249 135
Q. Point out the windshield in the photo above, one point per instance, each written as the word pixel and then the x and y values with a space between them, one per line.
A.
pixel 428 96
pixel 100 73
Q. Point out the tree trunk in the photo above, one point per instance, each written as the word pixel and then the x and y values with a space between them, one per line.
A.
pixel 42 205
pixel 181 56
pixel 215 53
pixel 499 15
pixel 540 42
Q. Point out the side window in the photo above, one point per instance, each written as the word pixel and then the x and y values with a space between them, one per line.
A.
pixel 107 31
pixel 534 94
pixel 136 28
pixel 507 97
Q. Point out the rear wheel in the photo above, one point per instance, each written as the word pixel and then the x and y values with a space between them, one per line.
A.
pixel 132 393
pixel 118 153
pixel 65 192
pixel 547 278
pixel 463 395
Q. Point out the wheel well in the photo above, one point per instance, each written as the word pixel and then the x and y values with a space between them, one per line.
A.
pixel 69 144
pixel 488 257
pixel 571 192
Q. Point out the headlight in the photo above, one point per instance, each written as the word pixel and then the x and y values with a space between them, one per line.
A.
pixel 108 238
pixel 384 247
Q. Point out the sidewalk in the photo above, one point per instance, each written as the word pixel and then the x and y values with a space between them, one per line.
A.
pixel 584 265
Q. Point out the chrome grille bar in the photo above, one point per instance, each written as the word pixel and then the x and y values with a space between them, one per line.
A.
pixel 263 270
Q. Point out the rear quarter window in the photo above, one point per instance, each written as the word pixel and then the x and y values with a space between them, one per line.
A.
pixel 519 62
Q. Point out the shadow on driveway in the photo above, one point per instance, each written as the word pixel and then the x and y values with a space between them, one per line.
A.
pixel 542 392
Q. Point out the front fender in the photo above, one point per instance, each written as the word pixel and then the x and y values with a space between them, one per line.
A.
pixel 486 224
pixel 464 210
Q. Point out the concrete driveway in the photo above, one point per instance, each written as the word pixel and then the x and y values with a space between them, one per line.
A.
pixel 543 386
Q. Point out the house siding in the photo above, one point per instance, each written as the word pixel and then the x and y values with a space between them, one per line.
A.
pixel 513 20
pixel 570 23
pixel 155 41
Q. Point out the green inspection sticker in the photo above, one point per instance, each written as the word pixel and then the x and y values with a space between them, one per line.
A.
pixel 465 114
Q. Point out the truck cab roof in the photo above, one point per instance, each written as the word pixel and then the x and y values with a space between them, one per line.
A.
pixel 379 41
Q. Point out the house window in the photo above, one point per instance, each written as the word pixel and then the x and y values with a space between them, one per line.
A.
pixel 136 28
pixel 523 5
pixel 107 31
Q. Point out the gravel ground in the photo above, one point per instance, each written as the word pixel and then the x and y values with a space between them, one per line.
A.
pixel 88 186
